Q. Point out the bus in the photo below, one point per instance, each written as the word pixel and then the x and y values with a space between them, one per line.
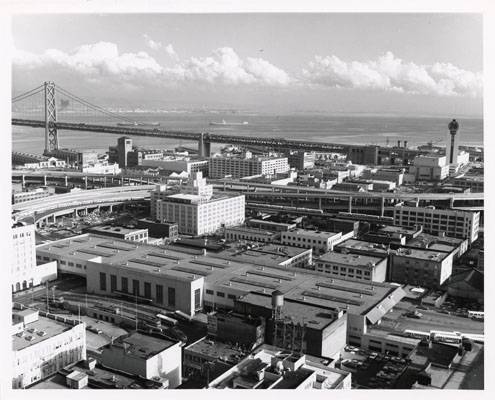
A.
pixel 417 334
pixel 477 315
pixel 446 337
pixel 167 320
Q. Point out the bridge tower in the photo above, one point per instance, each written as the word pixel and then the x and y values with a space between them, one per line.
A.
pixel 51 136
pixel 204 147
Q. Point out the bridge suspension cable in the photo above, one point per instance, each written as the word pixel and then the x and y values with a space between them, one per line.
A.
pixel 27 94
pixel 94 107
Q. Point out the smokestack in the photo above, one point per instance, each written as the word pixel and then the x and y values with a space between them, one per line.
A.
pixel 405 144
pixel 398 143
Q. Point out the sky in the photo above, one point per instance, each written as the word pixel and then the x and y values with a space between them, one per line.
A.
pixel 423 64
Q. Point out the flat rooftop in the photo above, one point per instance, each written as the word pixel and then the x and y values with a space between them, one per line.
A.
pixel 399 229
pixel 232 272
pixel 421 254
pixel 351 260
pixel 425 239
pixel 247 229
pixel 363 246
pixel 313 233
pixel 38 331
pixel 214 349
pixel 118 230
pixel 143 346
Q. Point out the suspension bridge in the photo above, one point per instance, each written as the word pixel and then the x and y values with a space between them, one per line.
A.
pixel 55 109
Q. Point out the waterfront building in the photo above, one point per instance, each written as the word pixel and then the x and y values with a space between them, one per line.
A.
pixel 239 167
pixel 78 159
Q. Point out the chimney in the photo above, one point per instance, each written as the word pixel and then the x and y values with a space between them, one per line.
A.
pixel 405 144
pixel 398 143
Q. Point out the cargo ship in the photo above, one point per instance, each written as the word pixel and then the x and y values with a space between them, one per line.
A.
pixel 225 123
pixel 138 124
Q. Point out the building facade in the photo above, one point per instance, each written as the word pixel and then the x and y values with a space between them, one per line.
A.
pixel 320 242
pixel 454 223
pixel 43 345
pixel 236 167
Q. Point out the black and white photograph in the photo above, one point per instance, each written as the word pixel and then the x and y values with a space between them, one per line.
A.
pixel 269 199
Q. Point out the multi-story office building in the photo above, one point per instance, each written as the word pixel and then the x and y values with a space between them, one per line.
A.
pixel 454 223
pixel 138 157
pixel 353 266
pixel 320 242
pixel 135 235
pixel 301 160
pixel 24 271
pixel 198 211
pixel 237 167
pixel 43 345
pixel 145 356
pixel 422 267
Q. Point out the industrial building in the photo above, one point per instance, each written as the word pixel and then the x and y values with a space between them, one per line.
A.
pixel 199 211
pixel 22 197
pixel 43 344
pixel 353 266
pixel 78 159
pixel 301 160
pixel 422 267
pixel 454 223
pixel 239 167
pixel 178 164
pixel 25 271
pixel 164 229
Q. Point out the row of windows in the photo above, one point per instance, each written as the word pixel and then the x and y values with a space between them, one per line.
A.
pixel 220 294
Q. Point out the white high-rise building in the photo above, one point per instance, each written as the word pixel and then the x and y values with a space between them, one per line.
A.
pixel 197 210
pixel 24 271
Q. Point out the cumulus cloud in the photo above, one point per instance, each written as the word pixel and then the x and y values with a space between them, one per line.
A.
pixel 225 66
pixel 389 73
pixel 103 61
pixel 153 45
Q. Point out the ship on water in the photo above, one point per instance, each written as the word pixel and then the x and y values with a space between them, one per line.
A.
pixel 225 123
pixel 138 124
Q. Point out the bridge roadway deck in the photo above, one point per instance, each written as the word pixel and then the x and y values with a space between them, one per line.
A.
pixel 272 142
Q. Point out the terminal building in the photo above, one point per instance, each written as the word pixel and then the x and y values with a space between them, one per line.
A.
pixel 44 344
pixel 179 281
pixel 453 223
pixel 239 167
pixel 199 211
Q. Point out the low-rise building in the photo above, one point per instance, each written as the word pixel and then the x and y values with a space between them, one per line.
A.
pixel 145 356
pixel 43 344
pixel 429 168
pixel 270 225
pixel 178 164
pixel 22 197
pixel 270 367
pixel 236 328
pixel 320 242
pixel 78 159
pixel 353 266
pixel 252 234
pixel 119 232
pixel 422 267
pixel 164 229
pixel 439 243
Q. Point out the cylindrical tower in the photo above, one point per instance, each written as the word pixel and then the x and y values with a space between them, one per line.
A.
pixel 277 304
pixel 452 146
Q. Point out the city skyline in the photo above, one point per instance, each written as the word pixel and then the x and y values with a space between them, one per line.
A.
pixel 378 64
